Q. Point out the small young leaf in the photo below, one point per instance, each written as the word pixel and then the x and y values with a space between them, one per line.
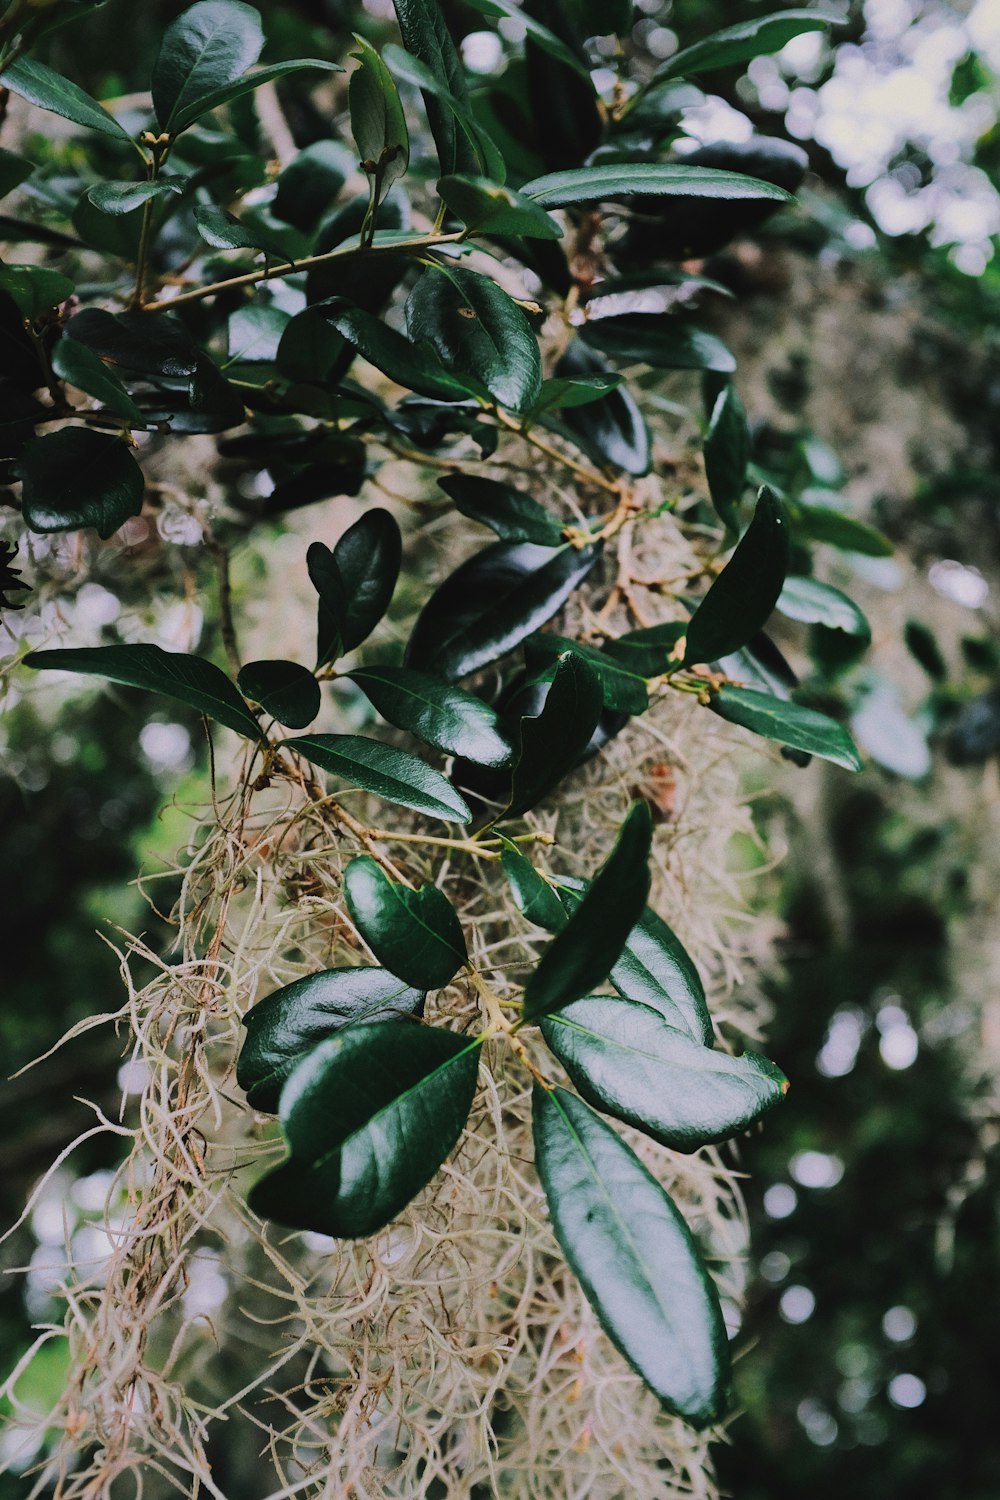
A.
pixel 621 689
pixel 492 602
pixel 477 331
pixel 85 370
pixel 553 742
pixel 118 198
pixel 355 582
pixel 77 477
pixel 224 231
pixel 288 1023
pixel 392 774
pixel 788 723
pixel 377 120
pixel 370 1114
pixel 637 1262
pixel 816 603
pixel 727 453
pixel 745 41
pixel 208 46
pixel 659 339
pixel 283 689
pixel 446 97
pixel 741 599
pixel 512 514
pixel 582 955
pixel 189 679
pixel 626 1061
pixel 40 85
pixel 415 934
pixel 489 208
pixel 35 289
pixel 436 712
pixel 535 898
pixel 647 652
pixel 597 184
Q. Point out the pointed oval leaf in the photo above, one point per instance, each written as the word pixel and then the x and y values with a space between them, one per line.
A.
pixel 431 64
pixel 35 289
pixel 788 723
pixel 512 514
pixel 492 602
pixel 582 955
pixel 635 1257
pixel 535 898
pixel 189 679
pixel 436 712
pixel 41 85
pixel 356 581
pixel 627 1062
pixel 85 370
pixel 284 689
pixel 491 208
pixel 621 689
pixel 745 41
pixel 392 774
pixel 14 170
pixel 246 85
pixel 77 477
pixel 821 523
pixel 224 231
pixel 477 331
pixel 118 198
pixel 741 599
pixel 553 741
pixel 612 429
pixel 662 340
pixel 288 1023
pixel 647 652
pixel 415 934
pixel 136 341
pixel 416 368
pixel 727 453
pixel 377 120
pixel 597 184
pixel 370 1115
pixel 210 45
pixel 815 603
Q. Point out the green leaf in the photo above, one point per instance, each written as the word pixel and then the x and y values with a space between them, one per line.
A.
pixel 370 1114
pixel 727 453
pixel 512 514
pixel 788 723
pixel 647 652
pixel 627 1062
pixel 355 582
pixel 117 198
pixel 289 1023
pixel 415 934
pixel 86 371
pixel 749 39
pixel 568 393
pixel 888 734
pixel 311 181
pixel 77 477
pixel 582 955
pixel 492 602
pixel 612 429
pixel 922 645
pixel 136 341
pixel 14 170
pixel 479 153
pixel 40 85
pixel 449 108
pixel 188 679
pixel 35 289
pixel 621 689
pixel 489 208
pixel 247 84
pixel 821 523
pixel 535 898
pixel 553 741
pixel 416 368
pixel 254 333
pixel 478 331
pixel 659 339
pixel 539 34
pixel 377 120
pixel 224 231
pixel 392 774
pixel 815 603
pixel 597 184
pixel 209 46
pixel 311 349
pixel 655 969
pixel 741 599
pixel 635 1257
pixel 283 689
pixel 436 712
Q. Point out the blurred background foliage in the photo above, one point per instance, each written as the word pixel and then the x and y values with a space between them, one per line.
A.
pixel 872 1334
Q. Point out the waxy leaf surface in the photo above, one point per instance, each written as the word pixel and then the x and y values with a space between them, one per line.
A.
pixel 416 934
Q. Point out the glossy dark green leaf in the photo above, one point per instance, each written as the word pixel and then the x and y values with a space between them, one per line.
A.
pixel 77 477
pixel 230 92
pixel 647 652
pixel 597 184
pixel 659 339
pixel 377 120
pixel 35 289
pixel 111 234
pixel 416 367
pixel 370 1114
pixel 311 181
pixel 16 169
pixel 539 34
pixel 436 712
pixel 288 1023
pixel 355 582
pixel 311 350
pixel 254 333
pixel 395 775
pixel 427 37
pixel 612 430
pixel 224 231
pixel 478 331
pixel 727 453
pixel 85 370
pixel 635 1257
pixel 552 743
pixel 208 46
pixel 821 523
pixel 741 599
pixel 147 345
pixel 583 954
pixel 511 513
pixel 535 898
pixel 118 198
pixel 189 679
pixel 565 121
pixel 283 689
pixel 567 393
pixel 489 208
pixel 747 40
pixel 627 1062
pixel 621 689
pixel 40 85
pixel 815 603
pixel 415 934
pixel 480 153
pixel 492 602
pixel 788 723
pixel 214 403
